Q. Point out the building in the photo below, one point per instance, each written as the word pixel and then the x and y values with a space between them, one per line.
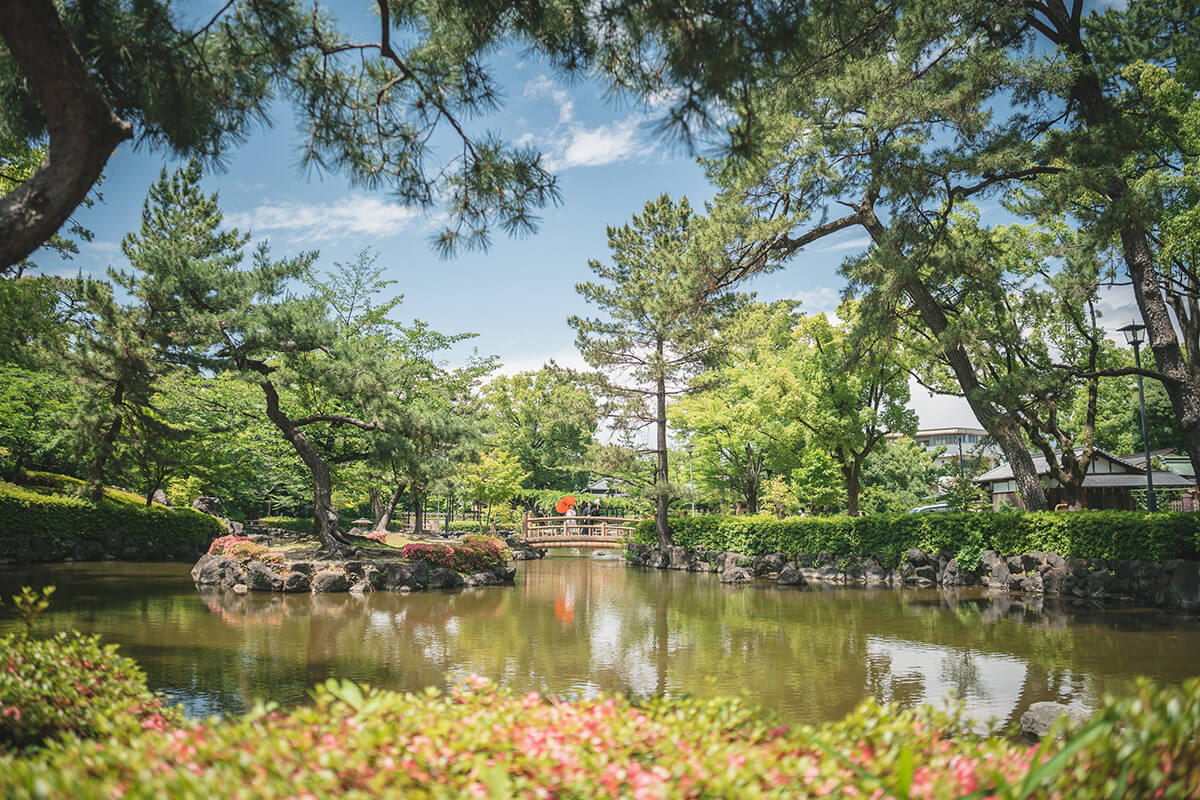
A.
pixel 977 447
pixel 1109 484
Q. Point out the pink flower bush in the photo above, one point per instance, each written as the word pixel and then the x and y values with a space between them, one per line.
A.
pixel 477 740
pixel 377 536
pixel 471 556
pixel 241 548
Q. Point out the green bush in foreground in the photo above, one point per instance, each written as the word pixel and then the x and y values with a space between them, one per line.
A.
pixel 479 741
pixel 71 684
pixel 1088 534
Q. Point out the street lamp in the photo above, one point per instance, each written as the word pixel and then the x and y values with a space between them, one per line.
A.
pixel 1133 335
pixel 691 483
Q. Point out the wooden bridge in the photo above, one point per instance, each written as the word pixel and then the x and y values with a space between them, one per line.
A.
pixel 597 532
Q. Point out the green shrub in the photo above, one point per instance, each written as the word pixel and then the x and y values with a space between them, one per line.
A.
pixel 71 684
pixel 477 741
pixel 296 524
pixel 471 526
pixel 51 525
pixel 1086 534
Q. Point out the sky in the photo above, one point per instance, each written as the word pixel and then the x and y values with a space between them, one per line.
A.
pixel 518 295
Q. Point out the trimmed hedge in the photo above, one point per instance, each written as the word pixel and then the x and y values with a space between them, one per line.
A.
pixel 1084 534
pixel 50 526
pixel 471 526
pixel 480 741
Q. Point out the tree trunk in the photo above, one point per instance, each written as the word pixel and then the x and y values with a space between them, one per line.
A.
pixel 852 472
pixel 385 513
pixel 661 499
pixel 376 503
pixel 82 128
pixel 325 517
pixel 107 444
pixel 1001 427
pixel 418 510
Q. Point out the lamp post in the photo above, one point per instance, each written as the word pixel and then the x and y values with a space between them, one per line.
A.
pixel 1133 335
pixel 691 482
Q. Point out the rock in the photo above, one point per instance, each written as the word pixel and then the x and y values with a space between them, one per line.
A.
pixel 917 557
pixel 924 575
pixel 263 578
pixel 241 588
pixel 297 582
pixel 1037 721
pixel 303 567
pixel 829 573
pixel 658 558
pixel 1182 584
pixel 677 557
pixel 772 562
pixel 735 574
pixel 1031 561
pixel 445 578
pixel 89 550
pixel 373 576
pixel 876 573
pixel 953 575
pixel 328 581
pixel 161 498
pixel 729 560
pixel 208 505
pixel 996 571
pixel 791 576
pixel 485 578
pixel 1054 581
pixel 1015 564
pixel 362 587
pixel 214 570
pixel 1030 583
pixel 259 538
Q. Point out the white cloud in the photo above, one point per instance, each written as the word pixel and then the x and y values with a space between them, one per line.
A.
pixel 350 215
pixel 580 146
pixel 857 243
pixel 818 299
pixel 572 143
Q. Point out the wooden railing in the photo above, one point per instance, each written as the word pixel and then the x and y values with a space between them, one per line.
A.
pixel 576 531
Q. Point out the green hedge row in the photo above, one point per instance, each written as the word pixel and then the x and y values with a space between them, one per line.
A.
pixel 471 526
pixel 45 527
pixel 1087 534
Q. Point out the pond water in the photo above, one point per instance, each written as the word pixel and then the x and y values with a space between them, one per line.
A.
pixel 576 626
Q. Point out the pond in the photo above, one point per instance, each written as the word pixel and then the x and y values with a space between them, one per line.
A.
pixel 576 626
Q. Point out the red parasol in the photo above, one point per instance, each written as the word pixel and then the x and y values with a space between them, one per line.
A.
pixel 564 504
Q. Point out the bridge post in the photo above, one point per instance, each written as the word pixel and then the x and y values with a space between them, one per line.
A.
pixel 524 524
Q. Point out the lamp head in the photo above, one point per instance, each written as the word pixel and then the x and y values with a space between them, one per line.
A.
pixel 1133 333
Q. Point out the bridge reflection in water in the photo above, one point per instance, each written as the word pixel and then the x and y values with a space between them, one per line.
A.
pixel 598 532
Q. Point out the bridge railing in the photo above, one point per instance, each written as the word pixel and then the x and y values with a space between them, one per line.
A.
pixel 576 528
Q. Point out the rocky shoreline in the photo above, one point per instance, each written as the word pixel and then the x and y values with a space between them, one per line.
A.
pixel 1174 584
pixel 321 577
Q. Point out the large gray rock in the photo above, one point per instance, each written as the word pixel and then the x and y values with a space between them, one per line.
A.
pixel 736 575
pixel 677 557
pixel 791 576
pixel 297 582
pixel 362 587
pixel 730 560
pixel 263 578
pixel 161 498
pixel 329 581
pixel 208 505
pixel 1037 721
pixel 445 578
pixel 1182 584
pixel 214 570
pixel 772 562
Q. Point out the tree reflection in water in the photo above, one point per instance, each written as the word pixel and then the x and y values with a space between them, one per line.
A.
pixel 576 626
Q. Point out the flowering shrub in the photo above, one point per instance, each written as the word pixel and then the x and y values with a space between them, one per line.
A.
pixel 71 684
pixel 482 553
pixel 377 536
pixel 478 741
pixel 241 548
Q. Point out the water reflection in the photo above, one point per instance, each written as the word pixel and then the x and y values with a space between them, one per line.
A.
pixel 578 626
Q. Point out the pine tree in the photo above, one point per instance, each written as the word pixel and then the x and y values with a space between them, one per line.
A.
pixel 659 323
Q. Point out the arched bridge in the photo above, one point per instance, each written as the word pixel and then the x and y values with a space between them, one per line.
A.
pixel 598 532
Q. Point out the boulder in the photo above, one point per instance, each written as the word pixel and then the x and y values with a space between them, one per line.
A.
pixel 1032 560
pixel 1057 581
pixel 263 578
pixel 730 560
pixel 916 557
pixel 241 588
pixel 485 578
pixel 161 498
pixel 829 573
pixel 214 570
pixel 772 562
pixel 328 581
pixel 303 567
pixel 1182 584
pixel 362 587
pixel 791 576
pixel 1037 721
pixel 677 557
pixel 1030 583
pixel 297 582
pixel 736 574
pixel 995 569
pixel 444 578
pixel 924 575
pixel 877 573
pixel 953 575
pixel 208 505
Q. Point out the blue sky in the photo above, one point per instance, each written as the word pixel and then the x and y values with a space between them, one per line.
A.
pixel 516 296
